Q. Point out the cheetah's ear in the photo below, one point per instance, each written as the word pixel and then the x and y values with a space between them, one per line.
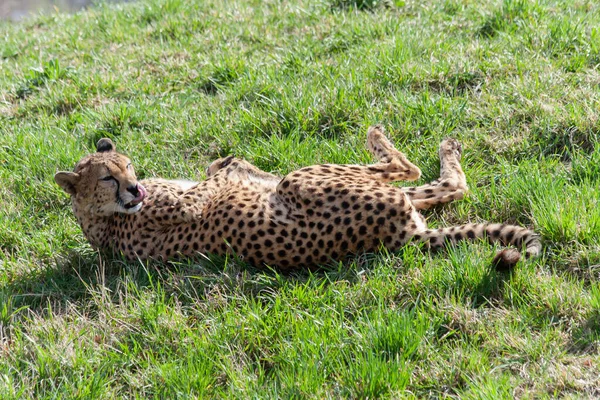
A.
pixel 105 145
pixel 68 181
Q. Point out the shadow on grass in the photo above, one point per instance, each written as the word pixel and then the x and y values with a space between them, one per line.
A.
pixel 73 278
pixel 66 281
pixel 362 5
pixel 585 338
pixel 79 276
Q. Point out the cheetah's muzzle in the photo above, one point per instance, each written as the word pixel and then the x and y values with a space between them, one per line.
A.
pixel 141 195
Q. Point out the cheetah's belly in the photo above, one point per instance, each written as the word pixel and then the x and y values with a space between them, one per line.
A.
pixel 260 227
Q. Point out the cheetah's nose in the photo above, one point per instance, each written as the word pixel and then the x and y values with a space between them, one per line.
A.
pixel 134 190
pixel 139 192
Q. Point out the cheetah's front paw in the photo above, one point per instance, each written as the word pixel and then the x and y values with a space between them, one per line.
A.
pixel 218 164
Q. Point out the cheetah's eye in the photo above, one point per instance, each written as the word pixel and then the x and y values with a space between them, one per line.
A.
pixel 107 178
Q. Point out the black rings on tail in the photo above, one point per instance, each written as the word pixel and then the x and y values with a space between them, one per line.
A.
pixel 508 235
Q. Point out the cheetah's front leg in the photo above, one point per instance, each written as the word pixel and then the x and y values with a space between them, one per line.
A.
pixel 170 204
pixel 235 169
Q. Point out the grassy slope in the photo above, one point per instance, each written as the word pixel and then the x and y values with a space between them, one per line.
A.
pixel 286 84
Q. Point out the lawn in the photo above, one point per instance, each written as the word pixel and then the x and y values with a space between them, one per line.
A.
pixel 285 84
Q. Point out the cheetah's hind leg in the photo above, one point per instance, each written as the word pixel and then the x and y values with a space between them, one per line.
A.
pixel 393 164
pixel 451 185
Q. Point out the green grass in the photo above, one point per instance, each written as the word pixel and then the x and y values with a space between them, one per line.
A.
pixel 286 84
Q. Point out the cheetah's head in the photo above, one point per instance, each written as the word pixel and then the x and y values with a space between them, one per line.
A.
pixel 103 183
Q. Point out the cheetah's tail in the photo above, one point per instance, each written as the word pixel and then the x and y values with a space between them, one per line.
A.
pixel 506 234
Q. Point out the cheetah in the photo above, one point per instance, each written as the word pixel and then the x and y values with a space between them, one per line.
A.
pixel 312 216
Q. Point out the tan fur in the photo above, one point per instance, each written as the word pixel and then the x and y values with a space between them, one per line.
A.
pixel 312 216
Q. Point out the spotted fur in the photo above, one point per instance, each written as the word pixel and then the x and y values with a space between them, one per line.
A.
pixel 311 216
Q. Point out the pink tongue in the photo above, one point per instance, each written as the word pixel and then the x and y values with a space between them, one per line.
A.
pixel 141 196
